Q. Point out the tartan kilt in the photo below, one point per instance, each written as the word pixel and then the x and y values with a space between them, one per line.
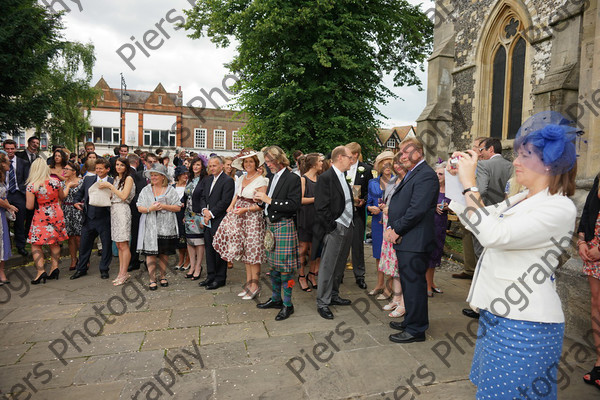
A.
pixel 284 257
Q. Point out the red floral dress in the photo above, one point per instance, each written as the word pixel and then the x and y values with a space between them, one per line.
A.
pixel 592 268
pixel 48 224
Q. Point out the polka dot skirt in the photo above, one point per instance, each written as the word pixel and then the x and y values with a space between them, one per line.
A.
pixel 516 359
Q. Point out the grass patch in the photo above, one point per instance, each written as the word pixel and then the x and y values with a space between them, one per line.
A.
pixel 455 244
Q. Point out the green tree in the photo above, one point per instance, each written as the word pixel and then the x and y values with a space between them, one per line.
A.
pixel 29 39
pixel 68 80
pixel 311 70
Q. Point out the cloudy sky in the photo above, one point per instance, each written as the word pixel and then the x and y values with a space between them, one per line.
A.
pixel 117 28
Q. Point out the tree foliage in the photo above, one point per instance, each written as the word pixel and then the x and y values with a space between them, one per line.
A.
pixel 45 80
pixel 311 70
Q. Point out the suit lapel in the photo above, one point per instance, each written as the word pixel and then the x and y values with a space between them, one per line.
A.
pixel 410 176
pixel 277 188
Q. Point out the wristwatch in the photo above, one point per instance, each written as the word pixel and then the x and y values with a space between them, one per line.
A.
pixel 471 189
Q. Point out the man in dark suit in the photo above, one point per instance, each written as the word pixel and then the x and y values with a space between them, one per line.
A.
pixel 281 203
pixel 360 174
pixel 96 222
pixel 16 179
pixel 411 228
pixel 31 152
pixel 140 182
pixel 211 199
pixel 334 208
pixel 120 151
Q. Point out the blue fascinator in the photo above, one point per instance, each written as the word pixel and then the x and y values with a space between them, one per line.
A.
pixel 552 137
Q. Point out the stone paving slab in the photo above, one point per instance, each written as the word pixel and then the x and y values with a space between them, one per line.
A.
pixel 138 321
pixel 198 316
pixel 170 338
pixel 242 351
pixel 232 332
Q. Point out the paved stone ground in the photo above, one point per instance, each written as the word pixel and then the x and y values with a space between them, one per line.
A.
pixel 86 339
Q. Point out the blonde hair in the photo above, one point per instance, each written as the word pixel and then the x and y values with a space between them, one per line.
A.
pixel 277 155
pixel 38 173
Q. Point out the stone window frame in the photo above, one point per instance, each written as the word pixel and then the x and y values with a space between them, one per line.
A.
pixel 490 33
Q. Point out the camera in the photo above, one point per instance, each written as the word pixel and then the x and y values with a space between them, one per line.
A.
pixel 454 162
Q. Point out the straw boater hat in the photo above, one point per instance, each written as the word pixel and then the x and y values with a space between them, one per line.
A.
pixel 157 169
pixel 238 163
pixel 385 156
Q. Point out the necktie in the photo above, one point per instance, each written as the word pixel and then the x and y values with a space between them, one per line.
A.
pixel 12 179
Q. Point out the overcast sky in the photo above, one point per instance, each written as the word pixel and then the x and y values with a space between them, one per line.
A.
pixel 176 60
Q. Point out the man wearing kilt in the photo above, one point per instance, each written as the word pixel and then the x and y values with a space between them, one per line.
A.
pixel 281 202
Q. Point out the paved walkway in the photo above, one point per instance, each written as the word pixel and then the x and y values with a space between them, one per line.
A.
pixel 85 339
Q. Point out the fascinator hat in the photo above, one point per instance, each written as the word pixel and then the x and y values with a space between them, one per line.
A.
pixel 551 137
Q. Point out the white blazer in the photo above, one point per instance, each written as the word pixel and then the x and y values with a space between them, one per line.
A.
pixel 522 240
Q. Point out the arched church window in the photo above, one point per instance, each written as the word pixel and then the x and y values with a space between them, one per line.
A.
pixel 508 70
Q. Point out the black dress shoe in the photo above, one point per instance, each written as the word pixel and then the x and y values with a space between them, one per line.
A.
pixel 360 282
pixel 470 313
pixel 325 312
pixel 405 337
pixel 205 282
pixel 338 301
pixel 284 313
pixel 104 274
pixel 78 274
pixel 214 285
pixel 397 325
pixel 23 252
pixel 133 267
pixel 270 304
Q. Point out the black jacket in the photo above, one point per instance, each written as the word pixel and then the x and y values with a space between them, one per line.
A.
pixel 587 224
pixel 329 202
pixel 286 198
pixel 362 179
pixel 216 201
pixel 82 196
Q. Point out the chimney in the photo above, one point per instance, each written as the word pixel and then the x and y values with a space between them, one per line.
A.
pixel 179 97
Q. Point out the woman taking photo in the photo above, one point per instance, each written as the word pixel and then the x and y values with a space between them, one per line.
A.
pixel 376 189
pixel 48 224
pixel 123 191
pixel 310 167
pixel 158 202
pixel 57 164
pixel 194 224
pixel 5 206
pixel 73 216
pixel 242 232
pixel 589 251
pixel 520 343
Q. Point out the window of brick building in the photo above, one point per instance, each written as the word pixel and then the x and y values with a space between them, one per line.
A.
pixel 236 141
pixel 391 144
pixel 219 139
pixel 159 138
pixel 200 138
pixel 104 135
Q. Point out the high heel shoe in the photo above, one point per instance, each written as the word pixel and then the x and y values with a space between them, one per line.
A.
pixel 316 279
pixel 122 280
pixel 251 295
pixel 74 267
pixel 54 274
pixel 188 276
pixel 182 268
pixel 391 306
pixel 195 278
pixel 375 292
pixel 42 277
pixel 307 288
pixel 398 312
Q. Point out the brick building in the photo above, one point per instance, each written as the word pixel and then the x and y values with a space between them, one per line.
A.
pixel 153 119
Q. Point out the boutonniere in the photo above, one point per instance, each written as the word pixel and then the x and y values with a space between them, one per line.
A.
pixel 361 169
pixel 348 179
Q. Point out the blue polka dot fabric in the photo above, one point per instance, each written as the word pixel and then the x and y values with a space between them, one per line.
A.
pixel 516 359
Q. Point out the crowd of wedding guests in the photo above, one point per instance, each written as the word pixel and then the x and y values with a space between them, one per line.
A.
pixel 305 221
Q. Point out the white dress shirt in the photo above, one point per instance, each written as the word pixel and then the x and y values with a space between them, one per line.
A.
pixel 273 185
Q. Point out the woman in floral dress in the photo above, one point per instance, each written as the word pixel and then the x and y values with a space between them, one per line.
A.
pixel 48 224
pixel 73 216
pixel 242 232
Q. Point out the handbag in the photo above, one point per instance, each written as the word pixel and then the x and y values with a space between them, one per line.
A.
pixel 11 215
pixel 269 240
pixel 99 197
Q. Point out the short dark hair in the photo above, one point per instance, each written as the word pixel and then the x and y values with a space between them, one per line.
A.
pixel 123 145
pixel 33 138
pixel 9 141
pixel 89 144
pixel 495 143
pixel 103 161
